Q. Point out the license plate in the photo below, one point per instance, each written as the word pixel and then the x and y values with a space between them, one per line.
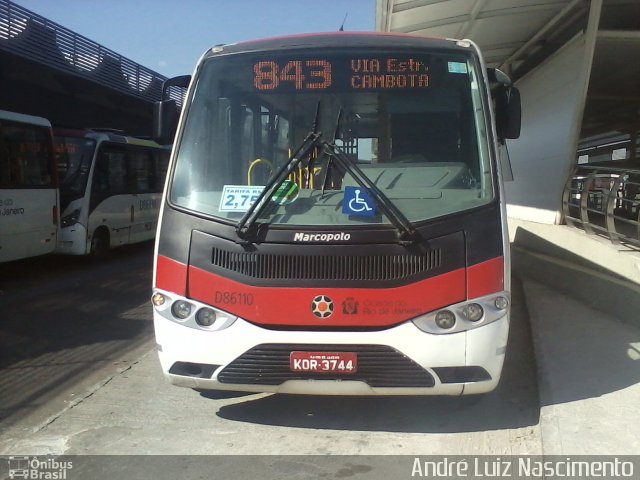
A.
pixel 323 362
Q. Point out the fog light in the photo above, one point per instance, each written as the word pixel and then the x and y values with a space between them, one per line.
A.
pixel 445 319
pixel 158 299
pixel 181 309
pixel 472 312
pixel 501 303
pixel 205 317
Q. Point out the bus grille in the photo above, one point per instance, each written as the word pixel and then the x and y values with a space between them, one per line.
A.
pixel 378 366
pixel 321 267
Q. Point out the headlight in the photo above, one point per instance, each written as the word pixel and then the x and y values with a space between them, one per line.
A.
pixel 181 309
pixel 501 303
pixel 190 313
pixel 70 219
pixel 445 319
pixel 158 299
pixel 465 316
pixel 472 312
pixel 205 317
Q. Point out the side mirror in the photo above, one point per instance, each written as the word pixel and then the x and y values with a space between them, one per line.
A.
pixel 507 104
pixel 166 112
pixel 165 121
pixel 508 112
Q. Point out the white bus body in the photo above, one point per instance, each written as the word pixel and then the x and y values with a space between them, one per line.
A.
pixel 28 191
pixel 111 188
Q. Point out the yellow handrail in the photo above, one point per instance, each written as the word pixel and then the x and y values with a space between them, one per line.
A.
pixel 253 164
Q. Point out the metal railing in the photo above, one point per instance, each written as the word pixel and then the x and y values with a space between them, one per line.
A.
pixel 605 200
pixel 36 38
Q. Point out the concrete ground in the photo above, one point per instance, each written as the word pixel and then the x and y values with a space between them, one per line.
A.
pixel 582 296
pixel 588 376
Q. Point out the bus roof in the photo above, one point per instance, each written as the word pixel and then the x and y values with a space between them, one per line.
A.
pixel 23 118
pixel 340 39
pixel 109 135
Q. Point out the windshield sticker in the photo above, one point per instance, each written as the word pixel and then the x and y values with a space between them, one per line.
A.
pixel 286 193
pixel 358 202
pixel 239 198
pixel 457 67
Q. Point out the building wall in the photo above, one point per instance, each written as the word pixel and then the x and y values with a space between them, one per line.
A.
pixel 546 150
pixel 553 99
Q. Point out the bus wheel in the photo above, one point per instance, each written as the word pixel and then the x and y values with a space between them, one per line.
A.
pixel 100 242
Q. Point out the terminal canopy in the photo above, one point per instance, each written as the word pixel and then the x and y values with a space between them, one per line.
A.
pixel 509 32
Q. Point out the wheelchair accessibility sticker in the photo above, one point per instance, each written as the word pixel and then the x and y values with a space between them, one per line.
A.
pixel 357 201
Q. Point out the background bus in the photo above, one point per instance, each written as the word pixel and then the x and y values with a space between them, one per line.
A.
pixel 334 222
pixel 110 189
pixel 28 187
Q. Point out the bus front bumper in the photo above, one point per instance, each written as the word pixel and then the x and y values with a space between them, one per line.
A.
pixel 72 240
pixel 402 360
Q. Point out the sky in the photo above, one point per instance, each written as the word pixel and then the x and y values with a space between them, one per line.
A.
pixel 169 36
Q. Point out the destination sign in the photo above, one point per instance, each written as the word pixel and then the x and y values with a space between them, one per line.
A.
pixel 362 73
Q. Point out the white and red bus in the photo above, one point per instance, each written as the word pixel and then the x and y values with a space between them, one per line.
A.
pixel 334 221
pixel 110 189
pixel 28 187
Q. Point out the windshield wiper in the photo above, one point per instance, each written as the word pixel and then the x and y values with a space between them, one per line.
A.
pixel 246 226
pixel 245 229
pixel 406 233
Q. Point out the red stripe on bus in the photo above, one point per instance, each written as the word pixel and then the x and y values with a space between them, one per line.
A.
pixel 171 275
pixel 344 307
pixel 485 278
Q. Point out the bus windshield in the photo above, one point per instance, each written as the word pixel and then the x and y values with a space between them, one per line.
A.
pixel 412 121
pixel 73 161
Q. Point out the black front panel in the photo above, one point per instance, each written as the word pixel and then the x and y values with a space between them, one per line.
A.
pixel 303 265
pixel 324 267
pixel 378 366
pixel 482 232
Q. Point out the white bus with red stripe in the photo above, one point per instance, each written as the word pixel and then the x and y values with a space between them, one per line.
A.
pixel 334 221
pixel 110 189
pixel 28 187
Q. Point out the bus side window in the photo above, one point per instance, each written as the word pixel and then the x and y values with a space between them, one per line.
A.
pixel 101 175
pixel 140 171
pixel 160 167
pixel 110 175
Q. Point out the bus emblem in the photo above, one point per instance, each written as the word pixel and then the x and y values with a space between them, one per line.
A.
pixel 322 306
pixel 350 306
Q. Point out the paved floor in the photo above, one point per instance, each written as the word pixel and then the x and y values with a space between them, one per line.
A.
pixel 588 376
pixel 583 296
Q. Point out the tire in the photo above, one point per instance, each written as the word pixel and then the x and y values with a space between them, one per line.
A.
pixel 99 243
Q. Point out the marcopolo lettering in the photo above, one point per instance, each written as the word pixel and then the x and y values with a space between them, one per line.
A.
pixel 321 237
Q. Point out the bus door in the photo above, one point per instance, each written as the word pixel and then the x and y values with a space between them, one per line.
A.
pixel 111 206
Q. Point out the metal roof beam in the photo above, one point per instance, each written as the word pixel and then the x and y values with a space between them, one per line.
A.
pixel 433 23
pixel 543 31
pixel 401 7
pixel 632 35
pixel 475 11
pixel 521 10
